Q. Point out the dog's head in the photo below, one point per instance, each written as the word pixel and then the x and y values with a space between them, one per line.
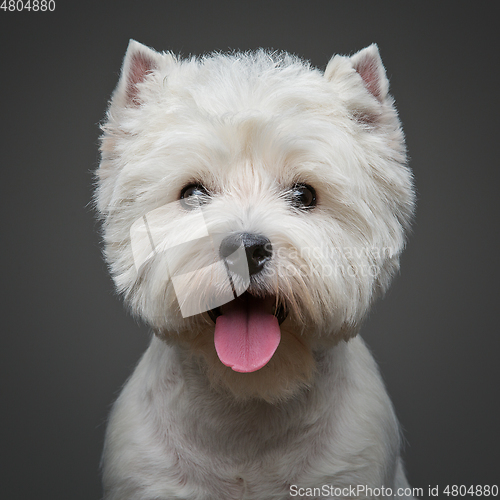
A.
pixel 253 207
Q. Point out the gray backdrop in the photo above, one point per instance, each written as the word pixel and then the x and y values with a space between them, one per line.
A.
pixel 67 343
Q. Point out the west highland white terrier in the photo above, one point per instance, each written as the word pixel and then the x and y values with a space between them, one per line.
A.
pixel 253 208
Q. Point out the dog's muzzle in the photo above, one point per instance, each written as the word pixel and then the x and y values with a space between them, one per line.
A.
pixel 258 252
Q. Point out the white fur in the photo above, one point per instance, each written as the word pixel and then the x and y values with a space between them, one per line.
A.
pixel 249 126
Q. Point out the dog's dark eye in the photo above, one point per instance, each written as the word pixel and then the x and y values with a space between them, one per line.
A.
pixel 303 196
pixel 193 195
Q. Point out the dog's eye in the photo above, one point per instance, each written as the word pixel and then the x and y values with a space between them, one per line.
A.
pixel 303 196
pixel 193 195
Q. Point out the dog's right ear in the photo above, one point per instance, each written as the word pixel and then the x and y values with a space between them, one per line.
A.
pixel 139 62
pixel 140 66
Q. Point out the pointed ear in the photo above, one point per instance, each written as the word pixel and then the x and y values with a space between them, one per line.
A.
pixel 368 65
pixel 360 81
pixel 138 63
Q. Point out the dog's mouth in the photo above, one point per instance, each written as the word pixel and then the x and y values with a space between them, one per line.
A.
pixel 247 331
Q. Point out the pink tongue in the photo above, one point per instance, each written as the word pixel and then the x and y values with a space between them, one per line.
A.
pixel 246 335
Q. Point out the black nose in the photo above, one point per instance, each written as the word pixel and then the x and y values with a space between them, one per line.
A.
pixel 258 250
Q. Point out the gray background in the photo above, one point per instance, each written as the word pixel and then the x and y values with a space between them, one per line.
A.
pixel 68 344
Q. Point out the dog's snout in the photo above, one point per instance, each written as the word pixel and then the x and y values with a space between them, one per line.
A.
pixel 258 251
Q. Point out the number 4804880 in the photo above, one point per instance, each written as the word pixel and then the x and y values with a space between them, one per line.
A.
pixel 29 5
pixel 478 491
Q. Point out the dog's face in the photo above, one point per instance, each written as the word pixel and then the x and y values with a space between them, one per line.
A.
pixel 253 207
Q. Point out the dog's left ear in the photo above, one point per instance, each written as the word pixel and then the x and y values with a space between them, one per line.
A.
pixel 361 81
pixel 368 65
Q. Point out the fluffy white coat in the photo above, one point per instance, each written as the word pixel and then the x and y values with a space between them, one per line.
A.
pixel 249 127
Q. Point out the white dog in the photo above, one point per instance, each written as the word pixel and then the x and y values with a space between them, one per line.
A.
pixel 253 208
